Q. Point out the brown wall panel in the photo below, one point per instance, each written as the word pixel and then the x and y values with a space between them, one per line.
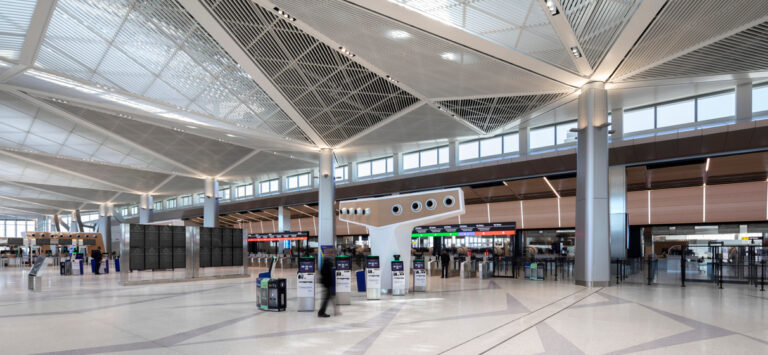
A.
pixel 540 213
pixel 568 212
pixel 506 212
pixel 452 220
pixel 475 214
pixel 737 202
pixel 637 207
pixel 679 205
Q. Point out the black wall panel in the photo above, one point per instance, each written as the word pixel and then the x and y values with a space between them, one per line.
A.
pixel 179 258
pixel 216 250
pixel 205 247
pixel 226 257
pixel 166 237
pixel 237 256
pixel 151 247
pixel 137 247
pixel 165 260
pixel 226 237
pixel 179 247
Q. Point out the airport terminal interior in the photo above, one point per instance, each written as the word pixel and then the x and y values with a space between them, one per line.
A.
pixel 384 176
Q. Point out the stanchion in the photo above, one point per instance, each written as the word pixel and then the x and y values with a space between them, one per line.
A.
pixel 650 271
pixel 682 268
pixel 762 278
pixel 617 271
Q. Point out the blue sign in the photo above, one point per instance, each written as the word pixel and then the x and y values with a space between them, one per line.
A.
pixel 307 266
pixel 342 264
pixel 418 265
pixel 372 263
pixel 397 266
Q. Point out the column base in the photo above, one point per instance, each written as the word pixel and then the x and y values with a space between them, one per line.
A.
pixel 593 283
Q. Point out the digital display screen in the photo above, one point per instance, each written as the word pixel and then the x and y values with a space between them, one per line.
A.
pixel 342 264
pixel 397 266
pixel 419 265
pixel 372 263
pixel 307 266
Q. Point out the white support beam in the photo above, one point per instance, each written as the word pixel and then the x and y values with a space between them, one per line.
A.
pixel 117 187
pixel 631 33
pixel 38 25
pixel 466 39
pixel 20 210
pixel 566 36
pixel 117 137
pixel 57 208
pixel 230 45
pixel 70 197
pixel 238 162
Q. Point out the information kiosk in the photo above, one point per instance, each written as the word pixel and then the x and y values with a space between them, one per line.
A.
pixel 399 286
pixel 305 288
pixel 343 280
pixel 419 276
pixel 372 277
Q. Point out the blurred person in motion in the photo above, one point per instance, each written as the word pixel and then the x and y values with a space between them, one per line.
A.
pixel 326 278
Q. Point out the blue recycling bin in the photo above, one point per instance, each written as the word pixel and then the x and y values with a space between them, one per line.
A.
pixel 93 266
pixel 81 266
pixel 117 264
pixel 360 280
pixel 106 266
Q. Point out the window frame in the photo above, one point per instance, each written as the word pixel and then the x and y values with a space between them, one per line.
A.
pixel 269 184
pixel 479 142
pixel 419 163
pixel 388 167
pixel 299 186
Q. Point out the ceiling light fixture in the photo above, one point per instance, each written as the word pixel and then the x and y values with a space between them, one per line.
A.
pixel 551 187
pixel 706 167
pixel 398 34
pixel 449 56
pixel 576 52
pixel 284 14
pixel 231 135
pixel 389 78
pixel 193 127
pixel 552 7
pixel 346 51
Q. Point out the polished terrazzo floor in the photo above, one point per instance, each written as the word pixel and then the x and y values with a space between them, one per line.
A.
pixel 92 314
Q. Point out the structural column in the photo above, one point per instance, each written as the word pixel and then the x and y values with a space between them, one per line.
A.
pixel 617 189
pixel 522 136
pixel 326 234
pixel 211 204
pixel 145 209
pixel 283 224
pixel 593 263
pixel 105 226
pixel 744 101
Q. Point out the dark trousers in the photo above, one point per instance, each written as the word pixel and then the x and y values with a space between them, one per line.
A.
pixel 445 270
pixel 98 264
pixel 326 298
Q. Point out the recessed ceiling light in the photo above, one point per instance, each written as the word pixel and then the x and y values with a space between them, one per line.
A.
pixel 449 56
pixel 231 135
pixel 552 7
pixel 398 34
pixel 576 52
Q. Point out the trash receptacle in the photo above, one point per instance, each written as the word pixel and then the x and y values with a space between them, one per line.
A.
pixel 117 264
pixel 93 266
pixel 360 280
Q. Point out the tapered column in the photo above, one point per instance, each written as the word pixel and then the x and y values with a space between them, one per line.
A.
pixel 145 209
pixel 592 267
pixel 211 204
pixel 105 226
pixel 283 224
pixel 326 234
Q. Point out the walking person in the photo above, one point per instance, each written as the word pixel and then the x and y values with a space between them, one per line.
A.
pixel 445 260
pixel 96 255
pixel 326 278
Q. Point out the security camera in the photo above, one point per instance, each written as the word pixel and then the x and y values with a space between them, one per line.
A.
pixel 326 174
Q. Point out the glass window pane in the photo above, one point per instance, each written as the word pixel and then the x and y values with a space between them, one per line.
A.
pixel 293 182
pixel 676 113
pixel 390 165
pixel 304 180
pixel 364 169
pixel 542 137
pixel 512 143
pixel 274 185
pixel 468 150
pixel 429 157
pixel 379 167
pixel 411 161
pixel 638 120
pixel 717 106
pixel 564 134
pixel 444 155
pixel 340 173
pixel 760 99
pixel 490 146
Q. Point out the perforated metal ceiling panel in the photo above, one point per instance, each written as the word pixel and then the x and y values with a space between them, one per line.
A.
pixel 431 65
pixel 156 49
pixel 15 16
pixel 596 24
pixel 743 52
pixel 97 195
pixel 338 97
pixel 203 154
pixel 520 25
pixel 491 113
pixel 685 25
pixel 264 163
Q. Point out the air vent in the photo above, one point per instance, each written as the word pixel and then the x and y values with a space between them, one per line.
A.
pixel 491 113
pixel 338 97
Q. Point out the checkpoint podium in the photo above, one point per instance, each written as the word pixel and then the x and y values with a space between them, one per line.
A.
pixel 343 280
pixel 419 276
pixel 305 288
pixel 390 221
pixel 372 277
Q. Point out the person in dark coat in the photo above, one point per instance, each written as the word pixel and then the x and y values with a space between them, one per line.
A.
pixel 96 255
pixel 445 260
pixel 326 277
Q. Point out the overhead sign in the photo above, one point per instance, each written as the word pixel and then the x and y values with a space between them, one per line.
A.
pixel 277 237
pixel 466 230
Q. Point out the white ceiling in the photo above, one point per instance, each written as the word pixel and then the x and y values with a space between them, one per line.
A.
pixel 118 98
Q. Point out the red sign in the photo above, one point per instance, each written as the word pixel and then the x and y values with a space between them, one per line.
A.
pixel 275 239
